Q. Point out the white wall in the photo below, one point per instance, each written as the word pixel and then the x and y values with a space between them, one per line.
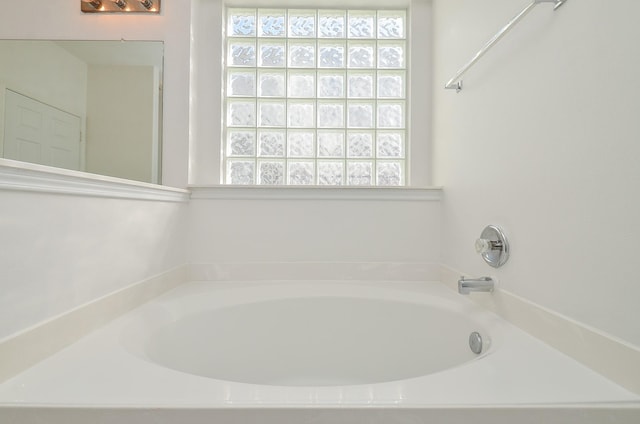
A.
pixel 205 92
pixel 58 251
pixel 120 122
pixel 543 140
pixel 314 230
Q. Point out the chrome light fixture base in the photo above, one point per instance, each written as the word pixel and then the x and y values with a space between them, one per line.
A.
pixel 120 6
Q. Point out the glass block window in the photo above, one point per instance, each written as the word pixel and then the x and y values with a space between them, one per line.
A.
pixel 315 97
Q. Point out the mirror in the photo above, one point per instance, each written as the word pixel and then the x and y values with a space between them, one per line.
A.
pixel 92 106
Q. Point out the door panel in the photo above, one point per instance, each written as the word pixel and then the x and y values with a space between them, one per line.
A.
pixel 38 133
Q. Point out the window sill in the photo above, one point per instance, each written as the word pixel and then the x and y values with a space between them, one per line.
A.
pixel 228 192
pixel 20 176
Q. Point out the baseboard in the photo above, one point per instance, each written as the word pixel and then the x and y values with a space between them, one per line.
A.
pixel 613 358
pixel 20 351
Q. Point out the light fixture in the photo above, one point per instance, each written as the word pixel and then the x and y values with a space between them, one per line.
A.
pixel 147 4
pixel 120 6
pixel 96 4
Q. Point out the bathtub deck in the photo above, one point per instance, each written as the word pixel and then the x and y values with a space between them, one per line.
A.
pixel 98 372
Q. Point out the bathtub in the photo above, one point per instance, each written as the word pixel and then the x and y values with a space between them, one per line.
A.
pixel 330 335
pixel 311 351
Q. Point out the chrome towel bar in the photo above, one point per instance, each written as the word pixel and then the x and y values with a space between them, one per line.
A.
pixel 456 82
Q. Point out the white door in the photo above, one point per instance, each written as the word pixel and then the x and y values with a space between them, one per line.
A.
pixel 38 133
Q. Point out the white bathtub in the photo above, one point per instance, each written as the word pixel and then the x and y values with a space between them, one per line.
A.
pixel 310 335
pixel 308 352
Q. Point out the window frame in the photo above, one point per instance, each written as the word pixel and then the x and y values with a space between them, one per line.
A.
pixel 206 86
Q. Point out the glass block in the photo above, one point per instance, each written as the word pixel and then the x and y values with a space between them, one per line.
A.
pixel 242 53
pixel 390 144
pixel 302 84
pixel 330 172
pixel 391 84
pixel 271 143
pixel 240 172
pixel 331 55
pixel 361 24
pixel 330 84
pixel 301 173
pixel 241 143
pixel 360 85
pixel 271 83
pixel 330 144
pixel 330 114
pixel 272 53
pixel 241 83
pixel 271 23
pixel 359 173
pixel 359 144
pixel 302 23
pixel 300 144
pixel 390 55
pixel 271 173
pixel 301 114
pixel 241 113
pixel 391 24
pixel 271 113
pixel 390 173
pixel 360 115
pixel 302 54
pixel 361 54
pixel 241 22
pixel 331 23
pixel 390 115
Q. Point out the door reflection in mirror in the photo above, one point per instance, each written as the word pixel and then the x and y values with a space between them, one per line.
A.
pixel 93 106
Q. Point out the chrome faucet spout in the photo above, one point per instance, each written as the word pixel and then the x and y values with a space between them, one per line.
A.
pixel 482 284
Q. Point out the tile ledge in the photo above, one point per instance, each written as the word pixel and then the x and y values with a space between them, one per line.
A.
pixel 20 176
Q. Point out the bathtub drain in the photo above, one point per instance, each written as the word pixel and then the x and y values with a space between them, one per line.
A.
pixel 475 342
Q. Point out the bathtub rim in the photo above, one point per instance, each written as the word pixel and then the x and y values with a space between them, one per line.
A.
pixel 162 386
pixel 588 346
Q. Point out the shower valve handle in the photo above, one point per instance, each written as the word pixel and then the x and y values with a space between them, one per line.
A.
pixel 485 245
pixel 493 246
